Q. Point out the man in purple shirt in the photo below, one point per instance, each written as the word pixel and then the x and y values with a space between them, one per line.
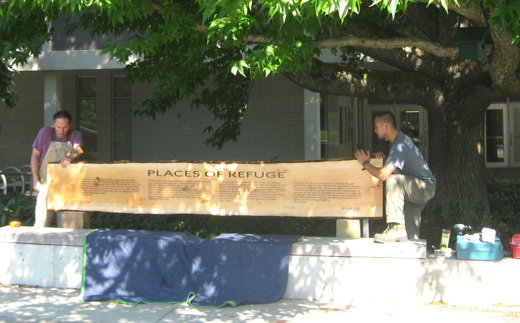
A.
pixel 53 144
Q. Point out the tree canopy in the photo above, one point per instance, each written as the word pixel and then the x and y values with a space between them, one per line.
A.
pixel 180 45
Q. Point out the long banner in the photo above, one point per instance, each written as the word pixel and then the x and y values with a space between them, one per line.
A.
pixel 338 188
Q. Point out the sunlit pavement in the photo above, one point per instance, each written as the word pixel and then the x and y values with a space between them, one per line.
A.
pixel 29 304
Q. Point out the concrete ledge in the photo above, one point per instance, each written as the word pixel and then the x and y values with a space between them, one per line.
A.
pixel 324 269
pixel 46 257
pixel 43 236
pixel 411 281
pixel 340 247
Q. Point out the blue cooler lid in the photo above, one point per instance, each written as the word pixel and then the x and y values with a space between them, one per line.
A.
pixel 464 242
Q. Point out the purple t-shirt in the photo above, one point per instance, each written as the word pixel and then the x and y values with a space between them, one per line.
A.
pixel 43 140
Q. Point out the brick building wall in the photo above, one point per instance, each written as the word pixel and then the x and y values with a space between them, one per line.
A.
pixel 273 127
pixel 19 126
pixel 104 120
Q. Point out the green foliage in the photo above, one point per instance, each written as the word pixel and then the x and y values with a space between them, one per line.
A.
pixel 504 215
pixel 504 14
pixel 177 45
pixel 504 204
pixel 7 95
pixel 17 206
pixel 23 30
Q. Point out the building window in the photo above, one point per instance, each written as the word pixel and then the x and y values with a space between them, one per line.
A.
pixel 494 136
pixel 324 135
pixel 88 116
pixel 345 124
pixel 122 119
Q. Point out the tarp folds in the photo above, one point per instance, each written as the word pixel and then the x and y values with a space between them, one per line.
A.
pixel 172 267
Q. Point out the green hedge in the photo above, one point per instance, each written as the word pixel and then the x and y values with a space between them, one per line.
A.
pixel 206 226
pixel 16 206
pixel 504 203
pixel 504 214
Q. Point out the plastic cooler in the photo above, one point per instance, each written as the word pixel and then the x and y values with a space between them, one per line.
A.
pixel 468 249
pixel 514 242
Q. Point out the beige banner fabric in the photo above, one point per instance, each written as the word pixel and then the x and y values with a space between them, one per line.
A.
pixel 332 188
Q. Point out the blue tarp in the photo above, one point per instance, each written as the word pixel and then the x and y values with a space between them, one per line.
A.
pixel 177 267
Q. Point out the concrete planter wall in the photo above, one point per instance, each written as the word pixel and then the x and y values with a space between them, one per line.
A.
pixel 325 269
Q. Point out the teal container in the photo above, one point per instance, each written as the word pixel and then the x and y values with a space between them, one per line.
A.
pixel 468 249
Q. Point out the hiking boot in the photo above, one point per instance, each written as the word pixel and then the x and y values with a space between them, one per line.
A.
pixel 394 233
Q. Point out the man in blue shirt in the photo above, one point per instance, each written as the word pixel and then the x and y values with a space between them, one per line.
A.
pixel 409 182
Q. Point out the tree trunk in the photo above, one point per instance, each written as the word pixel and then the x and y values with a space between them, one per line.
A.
pixel 457 159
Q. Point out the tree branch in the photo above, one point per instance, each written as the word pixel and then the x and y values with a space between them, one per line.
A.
pixel 393 43
pixel 505 62
pixel 409 61
pixel 502 72
pixel 472 12
pixel 353 41
pixel 344 80
pixel 156 6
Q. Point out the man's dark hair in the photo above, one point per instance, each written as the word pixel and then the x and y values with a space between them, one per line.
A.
pixel 63 114
pixel 386 117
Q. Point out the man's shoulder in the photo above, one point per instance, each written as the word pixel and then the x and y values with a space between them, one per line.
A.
pixel 401 136
pixel 404 139
pixel 76 137
pixel 76 133
pixel 43 138
pixel 45 131
pixel 398 140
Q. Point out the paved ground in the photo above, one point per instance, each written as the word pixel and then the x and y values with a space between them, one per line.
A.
pixel 28 304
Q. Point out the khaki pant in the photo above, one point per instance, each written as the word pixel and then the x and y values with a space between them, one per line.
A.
pixel 42 217
pixel 406 197
pixel 56 151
